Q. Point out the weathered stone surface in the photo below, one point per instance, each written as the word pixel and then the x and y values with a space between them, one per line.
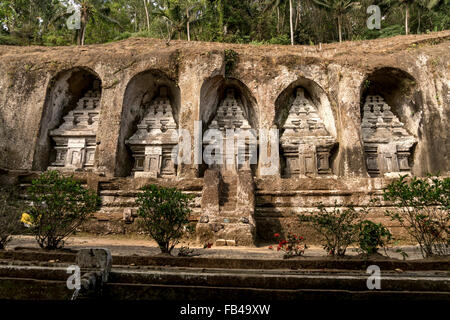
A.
pixel 231 122
pixel 40 86
pixel 231 243
pixel 94 258
pixel 155 138
pixel 76 138
pixel 305 142
pixel 210 193
pixel 221 242
pixel 386 143
pixel 29 73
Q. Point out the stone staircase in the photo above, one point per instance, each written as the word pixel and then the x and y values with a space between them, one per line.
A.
pixel 28 275
pixel 227 209
pixel 228 194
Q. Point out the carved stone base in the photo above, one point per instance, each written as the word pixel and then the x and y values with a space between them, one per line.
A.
pixel 145 174
pixel 242 233
pixel 228 206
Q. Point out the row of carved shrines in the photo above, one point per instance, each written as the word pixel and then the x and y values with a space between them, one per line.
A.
pixel 305 143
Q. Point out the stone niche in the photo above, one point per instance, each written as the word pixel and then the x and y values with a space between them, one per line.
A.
pixel 75 138
pixel 156 136
pixel 230 117
pixel 387 144
pixel 306 144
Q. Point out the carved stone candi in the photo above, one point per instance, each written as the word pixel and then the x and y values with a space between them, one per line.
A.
pixel 75 139
pixel 305 142
pixel 154 140
pixel 387 144
pixel 232 124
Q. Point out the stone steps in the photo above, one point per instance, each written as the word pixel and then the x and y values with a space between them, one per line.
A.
pixel 173 283
pixel 228 193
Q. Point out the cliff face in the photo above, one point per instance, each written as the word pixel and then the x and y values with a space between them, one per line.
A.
pixel 39 85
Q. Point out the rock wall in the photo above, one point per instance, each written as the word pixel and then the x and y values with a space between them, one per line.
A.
pixel 40 85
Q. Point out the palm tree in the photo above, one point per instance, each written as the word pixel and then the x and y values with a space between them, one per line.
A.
pixel 177 14
pixel 339 7
pixel 192 8
pixel 276 4
pixel 421 5
pixel 90 9
pixel 147 15
pixel 407 4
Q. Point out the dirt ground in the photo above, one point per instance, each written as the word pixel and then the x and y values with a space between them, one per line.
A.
pixel 126 246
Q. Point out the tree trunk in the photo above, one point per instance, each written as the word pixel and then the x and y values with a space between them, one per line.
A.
pixel 340 27
pixel 146 14
pixel 221 16
pixel 83 35
pixel 297 15
pixel 83 25
pixel 407 19
pixel 418 26
pixel 291 23
pixel 278 20
pixel 188 31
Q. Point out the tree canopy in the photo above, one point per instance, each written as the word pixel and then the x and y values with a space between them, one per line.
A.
pixel 44 22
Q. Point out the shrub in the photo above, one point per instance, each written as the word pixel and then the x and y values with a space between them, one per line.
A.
pixel 9 214
pixel 372 236
pixel 291 247
pixel 338 227
pixel 165 215
pixel 423 210
pixel 59 206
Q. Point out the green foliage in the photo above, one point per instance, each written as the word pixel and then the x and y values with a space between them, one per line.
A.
pixel 10 209
pixel 338 227
pixel 59 205
pixel 231 58
pixel 372 236
pixel 165 214
pixel 423 209
pixel 281 39
pixel 43 22
pixel 10 41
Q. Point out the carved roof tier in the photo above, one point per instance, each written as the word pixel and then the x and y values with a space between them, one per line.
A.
pixel 380 125
pixel 158 126
pixel 83 120
pixel 304 125
pixel 230 114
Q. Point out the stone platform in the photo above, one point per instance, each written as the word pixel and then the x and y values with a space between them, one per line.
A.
pixel 41 275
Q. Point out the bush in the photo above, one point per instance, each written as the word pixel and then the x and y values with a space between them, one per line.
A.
pixel 9 215
pixel 59 206
pixel 424 207
pixel 165 215
pixel 372 237
pixel 11 41
pixel 283 39
pixel 338 227
pixel 291 247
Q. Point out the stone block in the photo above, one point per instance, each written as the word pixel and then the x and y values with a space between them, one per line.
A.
pixel 94 258
pixel 231 243
pixel 221 242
